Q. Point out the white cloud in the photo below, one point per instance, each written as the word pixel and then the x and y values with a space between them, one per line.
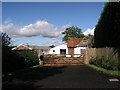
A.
pixel 10 28
pixel 39 28
pixel 89 31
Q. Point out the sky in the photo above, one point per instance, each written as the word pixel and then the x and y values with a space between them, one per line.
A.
pixel 41 23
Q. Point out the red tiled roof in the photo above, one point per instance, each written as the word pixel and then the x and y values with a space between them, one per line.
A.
pixel 72 42
pixel 21 47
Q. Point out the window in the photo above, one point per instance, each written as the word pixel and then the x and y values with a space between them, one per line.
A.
pixel 53 50
pixel 62 51
pixel 83 51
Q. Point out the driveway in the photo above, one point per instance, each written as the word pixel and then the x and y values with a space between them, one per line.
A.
pixel 79 76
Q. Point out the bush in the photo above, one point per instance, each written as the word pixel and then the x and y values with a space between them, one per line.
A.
pixel 107 63
pixel 96 61
pixel 15 60
pixel 11 61
pixel 30 57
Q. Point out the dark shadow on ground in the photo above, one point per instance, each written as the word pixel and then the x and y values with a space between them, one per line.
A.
pixel 26 79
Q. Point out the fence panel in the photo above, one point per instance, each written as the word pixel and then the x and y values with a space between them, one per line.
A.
pixel 101 52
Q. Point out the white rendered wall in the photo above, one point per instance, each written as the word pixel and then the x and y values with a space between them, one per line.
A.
pixel 77 50
pixel 57 49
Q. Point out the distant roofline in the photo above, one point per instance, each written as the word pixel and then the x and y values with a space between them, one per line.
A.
pixel 21 45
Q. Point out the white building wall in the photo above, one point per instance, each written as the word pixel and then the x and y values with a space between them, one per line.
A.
pixel 77 50
pixel 57 49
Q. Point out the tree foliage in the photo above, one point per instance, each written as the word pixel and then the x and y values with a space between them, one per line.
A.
pixel 15 60
pixel 107 30
pixel 6 40
pixel 72 31
pixel 90 39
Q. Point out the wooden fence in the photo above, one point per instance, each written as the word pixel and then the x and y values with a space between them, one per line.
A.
pixel 102 52
pixel 64 59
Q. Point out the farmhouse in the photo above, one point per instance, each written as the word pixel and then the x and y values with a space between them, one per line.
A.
pixel 75 47
pixel 71 53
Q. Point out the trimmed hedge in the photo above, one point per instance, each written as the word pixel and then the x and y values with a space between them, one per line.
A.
pixel 107 63
pixel 30 57
pixel 15 60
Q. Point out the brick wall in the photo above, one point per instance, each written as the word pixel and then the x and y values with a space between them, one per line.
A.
pixel 71 51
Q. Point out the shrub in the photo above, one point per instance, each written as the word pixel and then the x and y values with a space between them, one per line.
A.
pixel 11 61
pixel 30 57
pixel 15 60
pixel 96 61
pixel 107 63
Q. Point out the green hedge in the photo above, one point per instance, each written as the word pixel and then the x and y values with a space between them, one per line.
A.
pixel 107 63
pixel 15 60
pixel 30 57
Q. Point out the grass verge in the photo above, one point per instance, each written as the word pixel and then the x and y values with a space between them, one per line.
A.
pixel 112 72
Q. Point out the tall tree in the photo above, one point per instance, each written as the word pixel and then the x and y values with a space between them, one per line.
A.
pixel 90 39
pixel 107 30
pixel 6 40
pixel 72 31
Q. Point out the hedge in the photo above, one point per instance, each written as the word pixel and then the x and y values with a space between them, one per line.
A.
pixel 107 63
pixel 15 60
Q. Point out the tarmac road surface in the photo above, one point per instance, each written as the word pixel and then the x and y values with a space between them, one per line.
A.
pixel 76 76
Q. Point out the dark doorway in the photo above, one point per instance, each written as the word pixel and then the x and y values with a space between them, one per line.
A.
pixel 62 51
